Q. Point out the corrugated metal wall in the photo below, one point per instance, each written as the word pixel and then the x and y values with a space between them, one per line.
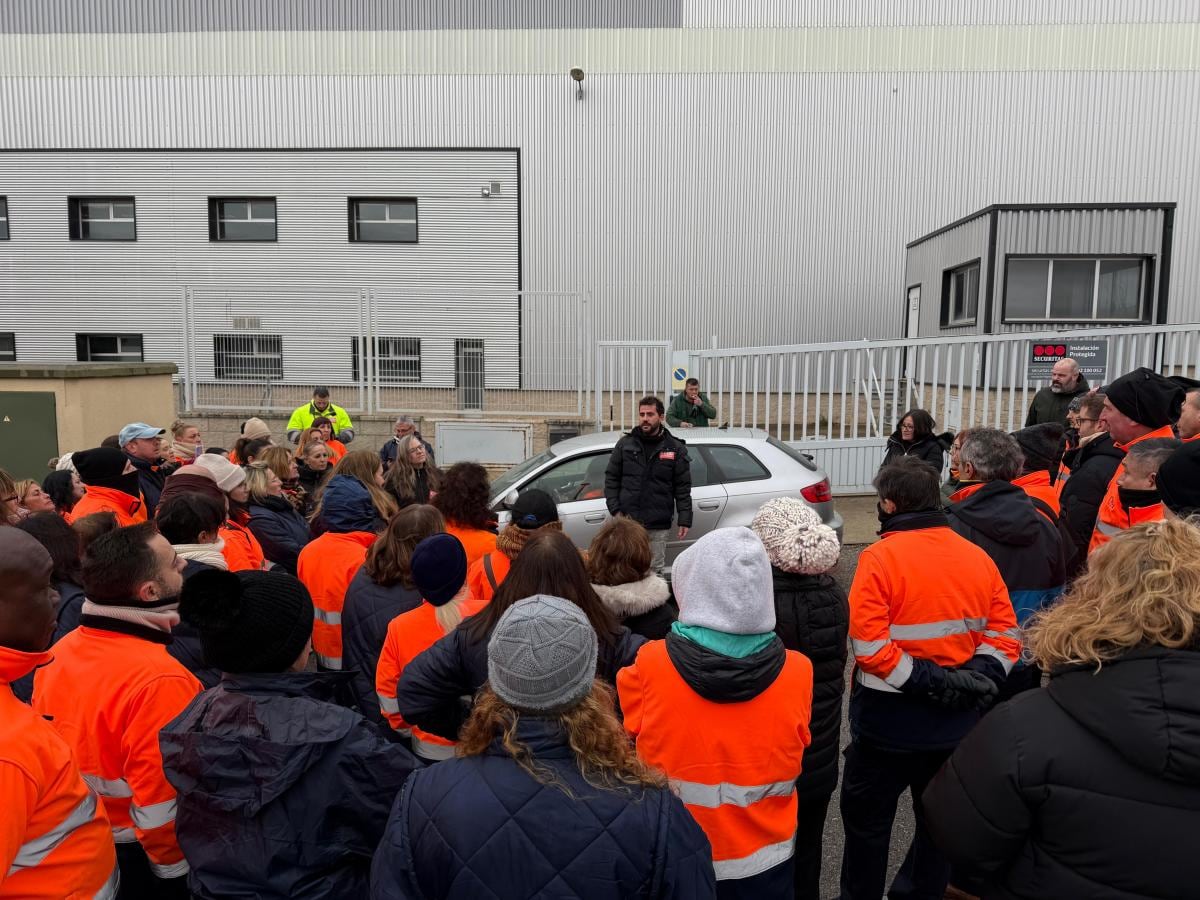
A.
pixel 1117 231
pixel 927 261
pixel 461 280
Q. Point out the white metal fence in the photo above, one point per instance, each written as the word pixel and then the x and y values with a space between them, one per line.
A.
pixel 626 371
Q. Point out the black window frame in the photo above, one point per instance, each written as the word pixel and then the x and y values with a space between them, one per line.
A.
pixel 1146 292
pixel 355 360
pixel 75 220
pixel 945 316
pixel 5 231
pixel 215 218
pixel 221 366
pixel 352 219
pixel 83 351
pixel 8 353
pixel 714 465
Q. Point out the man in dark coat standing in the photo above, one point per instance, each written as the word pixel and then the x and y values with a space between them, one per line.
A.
pixel 649 479
pixel 1051 402
pixel 1092 465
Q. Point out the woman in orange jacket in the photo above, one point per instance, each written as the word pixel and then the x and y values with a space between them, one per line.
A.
pixel 242 550
pixel 439 570
pixel 337 449
pixel 463 500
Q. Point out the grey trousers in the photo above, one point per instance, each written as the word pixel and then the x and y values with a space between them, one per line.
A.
pixel 658 548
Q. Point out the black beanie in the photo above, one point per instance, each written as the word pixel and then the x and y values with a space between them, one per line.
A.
pixel 533 510
pixel 102 467
pixel 1042 445
pixel 1179 480
pixel 248 621
pixel 439 568
pixel 1146 397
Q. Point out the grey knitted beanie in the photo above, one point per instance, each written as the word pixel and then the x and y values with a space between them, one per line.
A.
pixel 795 537
pixel 542 655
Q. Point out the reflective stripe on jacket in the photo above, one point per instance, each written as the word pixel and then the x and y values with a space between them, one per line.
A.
pixel 1112 517
pixel 931 594
pixel 128 510
pixel 326 567
pixel 481 581
pixel 738 778
pixel 108 695
pixel 408 635
pixel 54 837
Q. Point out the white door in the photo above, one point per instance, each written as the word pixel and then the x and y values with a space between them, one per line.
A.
pixel 914 312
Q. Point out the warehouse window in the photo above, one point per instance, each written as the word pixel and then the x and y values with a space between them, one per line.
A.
pixel 241 219
pixel 469 373
pixel 8 346
pixel 102 219
pixel 386 220
pixel 255 357
pixel 108 347
pixel 960 295
pixel 3 218
pixel 397 359
pixel 1072 289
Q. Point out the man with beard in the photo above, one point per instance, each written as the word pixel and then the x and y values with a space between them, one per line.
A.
pixel 112 687
pixel 1051 402
pixel 649 479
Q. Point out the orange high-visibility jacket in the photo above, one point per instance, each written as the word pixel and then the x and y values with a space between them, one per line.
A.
pixel 930 594
pixel 242 551
pixel 128 510
pixel 336 450
pixel 477 575
pixel 108 695
pixel 1112 518
pixel 55 840
pixel 326 567
pixel 474 541
pixel 408 635
pixel 1037 485
pixel 734 765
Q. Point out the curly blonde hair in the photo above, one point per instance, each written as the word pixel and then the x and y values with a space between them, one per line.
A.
pixel 1142 589
pixel 603 752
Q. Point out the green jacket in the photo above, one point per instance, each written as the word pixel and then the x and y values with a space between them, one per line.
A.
pixel 681 411
pixel 1048 406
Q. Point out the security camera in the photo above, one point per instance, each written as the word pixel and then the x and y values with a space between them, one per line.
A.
pixel 576 73
pixel 485 191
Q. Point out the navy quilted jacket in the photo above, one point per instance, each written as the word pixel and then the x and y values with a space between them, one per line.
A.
pixel 368 611
pixel 280 530
pixel 483 828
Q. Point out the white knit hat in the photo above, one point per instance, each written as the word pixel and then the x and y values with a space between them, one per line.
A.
pixel 795 537
pixel 224 473
pixel 723 582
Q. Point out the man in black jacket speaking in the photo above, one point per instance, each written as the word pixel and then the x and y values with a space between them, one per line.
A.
pixel 649 479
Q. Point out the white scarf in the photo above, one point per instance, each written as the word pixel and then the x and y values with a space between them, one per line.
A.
pixel 209 554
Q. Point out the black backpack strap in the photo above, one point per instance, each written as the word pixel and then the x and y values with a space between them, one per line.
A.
pixel 1046 509
pixel 487 570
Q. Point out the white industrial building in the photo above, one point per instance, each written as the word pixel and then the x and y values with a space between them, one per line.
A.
pixel 744 170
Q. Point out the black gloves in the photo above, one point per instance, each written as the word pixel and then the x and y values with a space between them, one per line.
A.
pixel 963 689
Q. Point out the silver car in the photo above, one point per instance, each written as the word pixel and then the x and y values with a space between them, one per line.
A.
pixel 734 472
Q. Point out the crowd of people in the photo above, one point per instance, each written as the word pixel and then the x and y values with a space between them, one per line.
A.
pixel 295 668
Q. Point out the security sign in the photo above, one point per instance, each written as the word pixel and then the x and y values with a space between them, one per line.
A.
pixel 1092 357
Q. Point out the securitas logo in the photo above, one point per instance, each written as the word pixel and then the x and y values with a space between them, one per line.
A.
pixel 1044 352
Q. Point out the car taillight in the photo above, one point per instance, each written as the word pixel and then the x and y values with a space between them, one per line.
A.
pixel 817 493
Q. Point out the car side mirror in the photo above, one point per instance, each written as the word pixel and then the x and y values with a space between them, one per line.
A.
pixel 510 499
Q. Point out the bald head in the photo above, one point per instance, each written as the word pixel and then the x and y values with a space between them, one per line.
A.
pixel 28 602
pixel 1064 376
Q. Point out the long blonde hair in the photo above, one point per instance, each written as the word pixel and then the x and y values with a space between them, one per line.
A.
pixel 602 750
pixel 402 476
pixel 362 465
pixel 279 460
pixel 1142 589
pixel 449 615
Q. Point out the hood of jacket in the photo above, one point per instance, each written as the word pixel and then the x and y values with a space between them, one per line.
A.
pixel 1145 705
pixel 1001 511
pixel 725 679
pixel 245 742
pixel 346 506
pixel 635 597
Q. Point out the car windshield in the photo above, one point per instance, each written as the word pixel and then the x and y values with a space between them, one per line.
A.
pixel 509 479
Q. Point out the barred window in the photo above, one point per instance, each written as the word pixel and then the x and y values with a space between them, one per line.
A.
pixel 397 359
pixel 248 356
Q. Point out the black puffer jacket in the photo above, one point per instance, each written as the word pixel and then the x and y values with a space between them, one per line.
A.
pixel 1092 467
pixel 930 449
pixel 366 614
pixel 812 615
pixel 649 478
pixel 283 792
pixel 432 686
pixel 1087 788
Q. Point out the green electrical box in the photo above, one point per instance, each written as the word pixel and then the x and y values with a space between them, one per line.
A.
pixel 28 433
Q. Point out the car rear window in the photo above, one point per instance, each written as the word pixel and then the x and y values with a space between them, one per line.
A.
pixel 736 463
pixel 795 454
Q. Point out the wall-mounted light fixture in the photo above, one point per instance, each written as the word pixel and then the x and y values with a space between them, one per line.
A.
pixel 577 75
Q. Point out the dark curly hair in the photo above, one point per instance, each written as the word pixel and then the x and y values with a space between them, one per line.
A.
pixel 463 497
